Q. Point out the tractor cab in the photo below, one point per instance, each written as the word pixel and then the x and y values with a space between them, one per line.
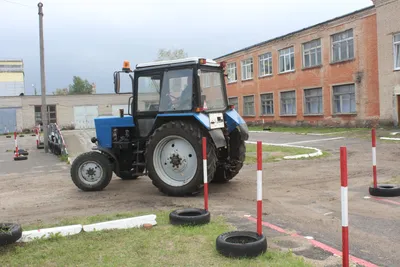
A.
pixel 169 88
pixel 174 104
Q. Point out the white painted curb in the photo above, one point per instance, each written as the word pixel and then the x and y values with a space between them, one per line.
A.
pixel 47 232
pixel 390 138
pixel 317 152
pixel 122 223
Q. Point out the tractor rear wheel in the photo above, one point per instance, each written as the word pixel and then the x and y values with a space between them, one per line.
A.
pixel 237 158
pixel 91 171
pixel 174 158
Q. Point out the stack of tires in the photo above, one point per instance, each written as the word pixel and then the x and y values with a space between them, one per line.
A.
pixel 9 233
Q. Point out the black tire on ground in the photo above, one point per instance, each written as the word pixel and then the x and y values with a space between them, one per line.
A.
pixel 22 152
pixel 9 233
pixel 237 158
pixel 102 161
pixel 21 158
pixel 192 132
pixel 21 135
pixel 8 136
pixel 238 244
pixel 189 216
pixel 385 190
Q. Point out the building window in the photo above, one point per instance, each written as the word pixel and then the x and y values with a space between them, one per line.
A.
pixel 265 64
pixel 267 104
pixel 396 51
pixel 313 101
pixel 312 54
pixel 232 73
pixel 247 69
pixel 286 59
pixel 234 101
pixel 343 46
pixel 288 103
pixel 248 105
pixel 51 114
pixel 344 99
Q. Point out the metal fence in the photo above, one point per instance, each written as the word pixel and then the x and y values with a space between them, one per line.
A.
pixel 56 140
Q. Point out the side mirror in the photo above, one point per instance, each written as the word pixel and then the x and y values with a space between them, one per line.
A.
pixel 116 82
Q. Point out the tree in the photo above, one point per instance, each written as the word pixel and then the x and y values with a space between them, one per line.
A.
pixel 164 54
pixel 80 86
pixel 61 91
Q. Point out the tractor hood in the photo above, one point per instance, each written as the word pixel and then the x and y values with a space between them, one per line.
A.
pixel 104 127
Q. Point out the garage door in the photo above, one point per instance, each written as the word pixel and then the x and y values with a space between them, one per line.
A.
pixel 84 116
pixel 115 109
pixel 8 120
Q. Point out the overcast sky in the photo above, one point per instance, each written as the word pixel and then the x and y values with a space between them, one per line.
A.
pixel 91 38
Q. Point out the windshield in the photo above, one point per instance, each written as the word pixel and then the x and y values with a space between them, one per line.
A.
pixel 212 96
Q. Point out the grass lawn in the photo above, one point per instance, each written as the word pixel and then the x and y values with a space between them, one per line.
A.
pixel 274 152
pixel 305 130
pixel 163 245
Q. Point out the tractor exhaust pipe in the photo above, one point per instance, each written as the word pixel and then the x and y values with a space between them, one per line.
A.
pixel 121 112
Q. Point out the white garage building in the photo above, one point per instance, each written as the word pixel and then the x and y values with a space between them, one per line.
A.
pixel 24 112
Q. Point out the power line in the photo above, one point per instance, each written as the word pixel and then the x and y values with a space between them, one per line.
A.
pixel 16 3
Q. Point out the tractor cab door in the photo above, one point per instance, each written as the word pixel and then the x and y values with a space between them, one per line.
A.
pixel 145 104
pixel 164 91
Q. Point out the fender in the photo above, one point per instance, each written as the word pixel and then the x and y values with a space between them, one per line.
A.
pixel 111 154
pixel 216 134
pixel 235 121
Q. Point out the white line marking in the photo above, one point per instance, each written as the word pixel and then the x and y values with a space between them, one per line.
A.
pixel 309 237
pixel 315 140
pixel 367 197
pixel 390 138
pixel 328 213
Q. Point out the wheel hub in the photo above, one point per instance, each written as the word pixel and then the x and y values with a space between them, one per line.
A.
pixel 175 160
pixel 90 172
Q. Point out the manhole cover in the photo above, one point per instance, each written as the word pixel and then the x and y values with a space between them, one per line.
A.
pixel 314 253
pixel 287 244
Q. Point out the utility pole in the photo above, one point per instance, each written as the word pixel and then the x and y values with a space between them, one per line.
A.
pixel 42 79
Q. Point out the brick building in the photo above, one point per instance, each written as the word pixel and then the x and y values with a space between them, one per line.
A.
pixel 325 74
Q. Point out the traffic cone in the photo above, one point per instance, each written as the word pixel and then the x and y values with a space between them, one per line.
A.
pixel 17 156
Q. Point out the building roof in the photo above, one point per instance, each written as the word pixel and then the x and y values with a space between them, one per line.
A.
pixel 11 60
pixel 193 60
pixel 289 34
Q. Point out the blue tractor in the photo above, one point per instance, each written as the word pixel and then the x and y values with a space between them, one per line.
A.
pixel 174 104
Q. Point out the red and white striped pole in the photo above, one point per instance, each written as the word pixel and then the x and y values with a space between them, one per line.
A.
pixel 373 134
pixel 259 187
pixel 205 175
pixel 345 215
pixel 16 145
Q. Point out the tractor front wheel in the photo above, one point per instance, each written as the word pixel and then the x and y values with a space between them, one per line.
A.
pixel 237 155
pixel 174 158
pixel 91 171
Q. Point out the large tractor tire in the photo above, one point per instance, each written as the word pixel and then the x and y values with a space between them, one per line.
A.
pixel 91 171
pixel 174 158
pixel 237 158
